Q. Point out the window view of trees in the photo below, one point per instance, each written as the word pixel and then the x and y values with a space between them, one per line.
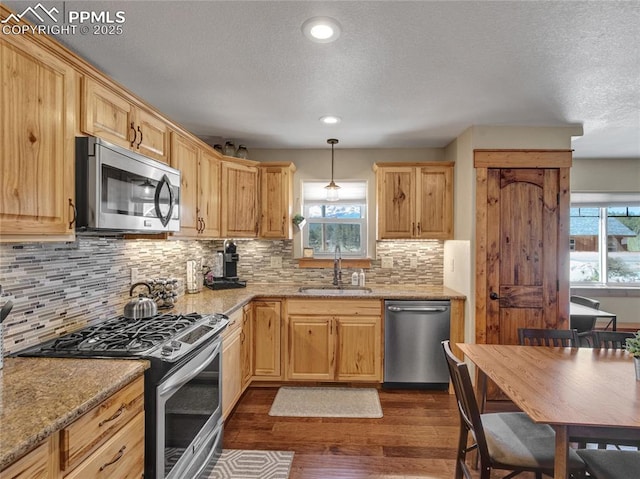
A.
pixel 605 240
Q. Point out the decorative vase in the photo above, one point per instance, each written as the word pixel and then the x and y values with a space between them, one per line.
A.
pixel 636 362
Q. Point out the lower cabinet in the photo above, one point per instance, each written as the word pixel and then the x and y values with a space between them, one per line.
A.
pixel 106 442
pixel 267 334
pixel 337 340
pixel 231 363
pixel 246 345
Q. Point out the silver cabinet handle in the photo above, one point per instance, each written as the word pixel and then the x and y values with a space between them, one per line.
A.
pixel 417 309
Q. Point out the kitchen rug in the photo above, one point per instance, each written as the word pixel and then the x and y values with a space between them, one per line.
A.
pixel 243 464
pixel 326 402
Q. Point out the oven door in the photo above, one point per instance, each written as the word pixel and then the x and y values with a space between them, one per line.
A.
pixel 189 415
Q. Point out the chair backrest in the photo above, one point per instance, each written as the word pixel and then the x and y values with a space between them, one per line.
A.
pixel 467 404
pixel 583 324
pixel 548 337
pixel 611 339
pixel 583 300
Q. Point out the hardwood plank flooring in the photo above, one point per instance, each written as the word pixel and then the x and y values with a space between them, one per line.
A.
pixel 416 438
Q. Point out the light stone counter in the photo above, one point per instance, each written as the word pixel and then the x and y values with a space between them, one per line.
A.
pixel 228 300
pixel 40 396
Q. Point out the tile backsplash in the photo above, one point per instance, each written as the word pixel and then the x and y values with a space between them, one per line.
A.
pixel 60 287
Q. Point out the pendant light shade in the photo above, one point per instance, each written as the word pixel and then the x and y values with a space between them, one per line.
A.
pixel 332 188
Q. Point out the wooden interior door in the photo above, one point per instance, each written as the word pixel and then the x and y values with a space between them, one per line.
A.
pixel 522 251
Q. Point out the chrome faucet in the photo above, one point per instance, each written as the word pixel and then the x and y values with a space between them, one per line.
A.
pixel 337 266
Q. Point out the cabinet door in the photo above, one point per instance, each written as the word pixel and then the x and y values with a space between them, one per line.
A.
pixel 107 115
pixel 359 348
pixel 152 136
pixel 275 204
pixel 209 194
pixel 37 149
pixel 231 371
pixel 434 206
pixel 239 200
pixel 246 341
pixel 396 203
pixel 34 465
pixel 266 335
pixel 184 157
pixel 311 348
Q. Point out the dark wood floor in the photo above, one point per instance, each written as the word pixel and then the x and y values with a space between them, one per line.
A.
pixel 416 438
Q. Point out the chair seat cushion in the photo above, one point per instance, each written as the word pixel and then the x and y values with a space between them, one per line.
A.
pixel 513 439
pixel 612 464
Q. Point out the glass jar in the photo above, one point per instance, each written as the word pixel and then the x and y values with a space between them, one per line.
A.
pixel 242 152
pixel 229 148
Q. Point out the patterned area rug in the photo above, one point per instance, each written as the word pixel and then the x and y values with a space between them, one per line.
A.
pixel 243 464
pixel 326 402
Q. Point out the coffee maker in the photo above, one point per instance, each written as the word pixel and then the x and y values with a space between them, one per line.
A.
pixel 230 260
pixel 225 271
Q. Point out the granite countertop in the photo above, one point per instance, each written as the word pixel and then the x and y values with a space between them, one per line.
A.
pixel 228 300
pixel 39 396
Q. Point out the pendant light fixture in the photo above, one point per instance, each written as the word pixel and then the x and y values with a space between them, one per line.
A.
pixel 332 188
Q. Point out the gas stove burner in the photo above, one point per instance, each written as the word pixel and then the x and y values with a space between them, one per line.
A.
pixel 121 336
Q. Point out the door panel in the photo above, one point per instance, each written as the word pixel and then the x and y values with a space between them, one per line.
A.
pixel 522 251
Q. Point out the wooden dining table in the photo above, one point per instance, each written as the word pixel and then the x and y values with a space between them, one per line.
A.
pixel 580 392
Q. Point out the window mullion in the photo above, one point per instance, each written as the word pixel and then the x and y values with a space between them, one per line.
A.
pixel 604 246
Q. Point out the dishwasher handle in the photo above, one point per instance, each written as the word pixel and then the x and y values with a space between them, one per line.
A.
pixel 418 309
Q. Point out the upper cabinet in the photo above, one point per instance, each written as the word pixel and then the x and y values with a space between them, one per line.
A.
pixel 239 200
pixel 415 200
pixel 199 188
pixel 276 193
pixel 37 149
pixel 110 116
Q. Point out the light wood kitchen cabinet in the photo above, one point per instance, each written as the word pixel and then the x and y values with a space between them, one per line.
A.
pixel 110 116
pixel 122 456
pixel 338 340
pixel 199 188
pixel 266 330
pixel 415 200
pixel 246 344
pixel 231 363
pixel 34 465
pixel 276 200
pixel 37 146
pixel 239 200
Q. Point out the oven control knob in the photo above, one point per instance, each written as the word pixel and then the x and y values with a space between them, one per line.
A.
pixel 175 344
pixel 215 319
pixel 166 350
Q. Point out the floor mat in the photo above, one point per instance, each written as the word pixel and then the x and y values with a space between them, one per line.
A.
pixel 326 402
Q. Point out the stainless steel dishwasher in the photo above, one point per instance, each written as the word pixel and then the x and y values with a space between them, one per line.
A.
pixel 413 356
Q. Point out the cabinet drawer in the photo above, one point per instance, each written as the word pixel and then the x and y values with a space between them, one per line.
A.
pixel 84 435
pixel 345 307
pixel 235 323
pixel 122 456
pixel 34 465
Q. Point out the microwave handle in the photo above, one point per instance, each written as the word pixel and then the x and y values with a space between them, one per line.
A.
pixel 164 219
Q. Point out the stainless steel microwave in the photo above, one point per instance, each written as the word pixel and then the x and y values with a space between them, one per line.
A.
pixel 121 191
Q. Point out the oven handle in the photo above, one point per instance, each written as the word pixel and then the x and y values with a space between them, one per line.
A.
pixel 209 456
pixel 178 380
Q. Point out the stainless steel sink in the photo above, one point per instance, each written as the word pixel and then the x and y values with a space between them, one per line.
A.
pixel 334 290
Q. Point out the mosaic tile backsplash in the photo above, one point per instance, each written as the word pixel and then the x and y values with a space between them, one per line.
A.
pixel 60 287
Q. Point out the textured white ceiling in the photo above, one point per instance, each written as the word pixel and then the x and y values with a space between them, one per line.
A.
pixel 402 74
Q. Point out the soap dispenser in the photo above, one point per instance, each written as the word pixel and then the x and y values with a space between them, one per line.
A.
pixel 361 278
pixel 354 279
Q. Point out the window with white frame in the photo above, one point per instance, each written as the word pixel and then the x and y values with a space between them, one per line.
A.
pixel 604 240
pixel 333 223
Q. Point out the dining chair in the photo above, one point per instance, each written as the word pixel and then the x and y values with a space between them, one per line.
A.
pixel 548 337
pixel 508 441
pixel 611 339
pixel 611 464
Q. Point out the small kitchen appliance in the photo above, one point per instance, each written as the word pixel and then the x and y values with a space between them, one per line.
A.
pixel 182 392
pixel 229 258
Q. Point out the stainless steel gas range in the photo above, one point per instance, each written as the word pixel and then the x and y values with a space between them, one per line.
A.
pixel 183 397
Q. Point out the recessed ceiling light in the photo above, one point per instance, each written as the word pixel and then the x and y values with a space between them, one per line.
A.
pixel 330 120
pixel 321 29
